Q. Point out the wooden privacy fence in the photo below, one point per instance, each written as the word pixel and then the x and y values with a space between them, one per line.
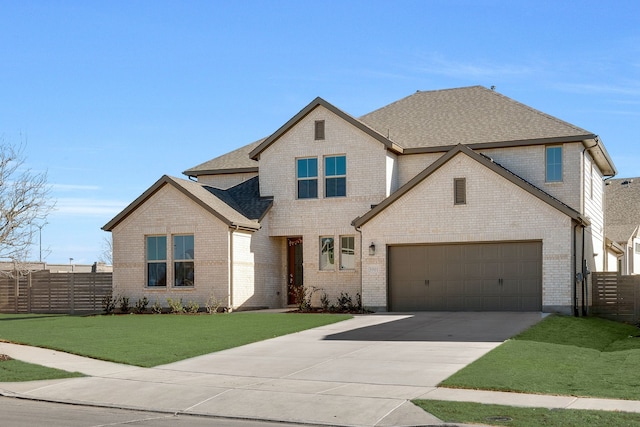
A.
pixel 56 293
pixel 616 297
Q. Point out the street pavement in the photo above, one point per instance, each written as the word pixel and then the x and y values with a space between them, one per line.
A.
pixel 360 372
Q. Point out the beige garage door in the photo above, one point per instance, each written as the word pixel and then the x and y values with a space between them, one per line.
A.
pixel 504 276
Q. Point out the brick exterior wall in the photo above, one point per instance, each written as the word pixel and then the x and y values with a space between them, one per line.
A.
pixel 227 180
pixel 254 265
pixel 169 212
pixel 314 218
pixel 496 210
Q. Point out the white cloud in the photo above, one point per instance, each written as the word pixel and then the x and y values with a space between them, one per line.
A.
pixel 74 187
pixel 439 65
pixel 88 207
pixel 629 90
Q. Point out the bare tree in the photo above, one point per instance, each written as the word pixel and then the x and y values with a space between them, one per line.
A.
pixel 24 202
pixel 106 255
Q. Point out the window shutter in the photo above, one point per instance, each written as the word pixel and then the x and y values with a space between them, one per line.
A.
pixel 459 191
pixel 319 129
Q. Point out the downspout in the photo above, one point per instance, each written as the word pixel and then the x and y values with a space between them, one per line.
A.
pixel 230 266
pixel 359 230
pixel 574 277
pixel 584 276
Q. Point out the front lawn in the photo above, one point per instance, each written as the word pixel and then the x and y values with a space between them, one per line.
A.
pixel 151 340
pixel 561 355
pixel 16 371
pixel 499 415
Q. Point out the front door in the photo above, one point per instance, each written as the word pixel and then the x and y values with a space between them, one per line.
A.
pixel 294 267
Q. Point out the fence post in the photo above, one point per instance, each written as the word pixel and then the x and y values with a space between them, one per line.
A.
pixel 73 293
pixel 29 292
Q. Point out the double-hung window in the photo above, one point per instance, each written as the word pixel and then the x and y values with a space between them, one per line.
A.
pixel 553 163
pixel 307 173
pixel 156 261
pixel 335 171
pixel 327 257
pixel 183 267
pixel 347 253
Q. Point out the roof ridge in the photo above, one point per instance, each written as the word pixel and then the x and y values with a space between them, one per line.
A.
pixel 415 93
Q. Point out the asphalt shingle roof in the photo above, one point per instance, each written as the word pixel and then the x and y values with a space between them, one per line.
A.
pixel 239 206
pixel 622 208
pixel 234 160
pixel 466 115
pixel 244 198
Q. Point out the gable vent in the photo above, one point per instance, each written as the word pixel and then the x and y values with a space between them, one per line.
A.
pixel 319 130
pixel 459 191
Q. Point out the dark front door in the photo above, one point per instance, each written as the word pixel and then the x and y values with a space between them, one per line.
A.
pixel 294 267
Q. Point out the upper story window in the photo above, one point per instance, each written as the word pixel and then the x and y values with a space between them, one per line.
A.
pixel 335 171
pixel 183 255
pixel 319 130
pixel 156 261
pixel 459 191
pixel 307 174
pixel 553 164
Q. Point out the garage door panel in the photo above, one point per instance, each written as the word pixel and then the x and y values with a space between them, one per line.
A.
pixel 466 277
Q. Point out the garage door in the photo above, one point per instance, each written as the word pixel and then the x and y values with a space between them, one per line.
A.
pixel 504 276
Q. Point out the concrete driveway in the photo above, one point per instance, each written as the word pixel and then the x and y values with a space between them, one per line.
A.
pixel 361 372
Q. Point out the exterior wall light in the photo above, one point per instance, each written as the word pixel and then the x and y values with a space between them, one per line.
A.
pixel 372 249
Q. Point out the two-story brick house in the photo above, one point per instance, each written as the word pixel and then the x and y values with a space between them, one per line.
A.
pixel 458 199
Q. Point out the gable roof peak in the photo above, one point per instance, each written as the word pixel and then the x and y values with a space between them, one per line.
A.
pixel 318 101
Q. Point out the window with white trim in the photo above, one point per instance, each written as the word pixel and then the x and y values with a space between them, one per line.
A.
pixel 347 253
pixel 183 264
pixel 327 256
pixel 335 172
pixel 156 261
pixel 307 176
pixel 553 163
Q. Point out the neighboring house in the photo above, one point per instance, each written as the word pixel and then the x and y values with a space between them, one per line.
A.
pixel 622 225
pixel 458 199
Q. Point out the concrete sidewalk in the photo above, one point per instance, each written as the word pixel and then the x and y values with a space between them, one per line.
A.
pixel 361 372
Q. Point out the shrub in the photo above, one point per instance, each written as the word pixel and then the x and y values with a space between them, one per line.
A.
pixel 176 307
pixel 109 303
pixel 124 304
pixel 345 302
pixel 213 304
pixel 304 297
pixel 156 308
pixel 192 307
pixel 324 301
pixel 141 305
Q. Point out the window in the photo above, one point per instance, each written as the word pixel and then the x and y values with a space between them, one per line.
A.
pixel 638 248
pixel 327 261
pixel 554 164
pixel 459 191
pixel 319 130
pixel 347 253
pixel 183 267
pixel 156 261
pixel 335 171
pixel 307 178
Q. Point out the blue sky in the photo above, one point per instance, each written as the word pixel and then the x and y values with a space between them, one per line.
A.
pixel 111 95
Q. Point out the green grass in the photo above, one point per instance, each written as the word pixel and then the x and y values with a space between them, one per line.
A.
pixel 477 413
pixel 16 371
pixel 561 355
pixel 151 340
